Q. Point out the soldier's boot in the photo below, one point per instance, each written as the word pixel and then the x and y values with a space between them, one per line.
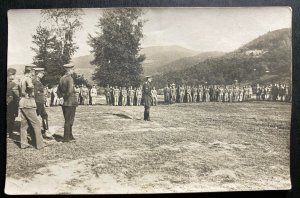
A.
pixel 145 115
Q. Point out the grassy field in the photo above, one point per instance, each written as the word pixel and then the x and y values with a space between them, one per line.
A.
pixel 185 148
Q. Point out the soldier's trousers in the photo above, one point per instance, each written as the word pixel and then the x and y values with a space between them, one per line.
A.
pixel 42 112
pixel 107 100
pixel 131 100
pixel 29 118
pixel 147 113
pixel 69 115
pixel 124 101
pixel 12 113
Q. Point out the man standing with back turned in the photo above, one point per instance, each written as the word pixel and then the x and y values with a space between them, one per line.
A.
pixel 147 97
pixel 67 91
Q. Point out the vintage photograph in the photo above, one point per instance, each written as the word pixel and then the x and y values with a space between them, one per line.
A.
pixel 148 100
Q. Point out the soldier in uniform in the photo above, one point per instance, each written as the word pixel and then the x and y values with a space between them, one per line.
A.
pixel 107 94
pixel 194 93
pixel 200 93
pixel 27 107
pixel 173 93
pixel 93 95
pixel 116 93
pixel 12 100
pixel 147 97
pixel 181 93
pixel 67 91
pixel 131 93
pixel 230 94
pixel 77 93
pixel 138 96
pixel 124 96
pixel 167 94
pixel 207 96
pixel 226 94
pixel 189 94
pixel 39 100
pixel 154 96
pixel 55 97
pixel 85 95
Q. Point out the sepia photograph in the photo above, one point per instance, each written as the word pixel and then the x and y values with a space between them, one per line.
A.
pixel 139 100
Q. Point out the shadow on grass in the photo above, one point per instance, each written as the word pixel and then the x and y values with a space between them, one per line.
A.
pixel 58 138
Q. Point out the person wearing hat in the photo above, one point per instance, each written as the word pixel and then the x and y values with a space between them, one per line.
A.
pixel 93 95
pixel 131 93
pixel 124 96
pixel 147 97
pixel 107 91
pixel 40 100
pixel 27 108
pixel 12 98
pixel 67 91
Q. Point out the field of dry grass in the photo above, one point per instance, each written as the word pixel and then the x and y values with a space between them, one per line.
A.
pixel 185 148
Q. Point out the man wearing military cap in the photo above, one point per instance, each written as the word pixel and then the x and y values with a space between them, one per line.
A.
pixel 67 91
pixel 147 97
pixel 27 107
pixel 40 100
pixel 12 99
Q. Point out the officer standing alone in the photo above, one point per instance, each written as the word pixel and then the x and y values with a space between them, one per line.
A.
pixel 67 91
pixel 147 97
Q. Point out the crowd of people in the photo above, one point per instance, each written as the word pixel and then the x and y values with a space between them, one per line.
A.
pixel 226 93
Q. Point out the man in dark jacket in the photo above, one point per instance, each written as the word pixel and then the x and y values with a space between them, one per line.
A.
pixel 40 100
pixel 12 100
pixel 67 91
pixel 147 97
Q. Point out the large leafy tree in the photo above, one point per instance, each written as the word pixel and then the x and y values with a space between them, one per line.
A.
pixel 54 41
pixel 116 47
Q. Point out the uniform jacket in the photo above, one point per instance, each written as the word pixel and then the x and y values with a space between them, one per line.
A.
pixel 12 93
pixel 67 91
pixel 93 92
pixel 146 94
pixel 26 86
pixel 39 91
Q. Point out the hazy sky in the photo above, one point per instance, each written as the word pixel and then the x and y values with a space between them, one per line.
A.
pixel 200 29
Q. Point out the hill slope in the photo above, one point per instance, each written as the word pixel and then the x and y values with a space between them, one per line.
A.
pixel 157 56
pixel 265 59
pixel 187 62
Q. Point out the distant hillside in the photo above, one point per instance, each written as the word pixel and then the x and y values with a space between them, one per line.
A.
pixel 265 59
pixel 157 56
pixel 187 62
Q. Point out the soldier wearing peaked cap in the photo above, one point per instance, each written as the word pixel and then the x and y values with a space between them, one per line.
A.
pixel 67 91
pixel 12 99
pixel 27 107
pixel 147 97
pixel 40 100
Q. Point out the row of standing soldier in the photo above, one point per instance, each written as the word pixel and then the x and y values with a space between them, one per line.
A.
pixel 122 96
pixel 216 93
